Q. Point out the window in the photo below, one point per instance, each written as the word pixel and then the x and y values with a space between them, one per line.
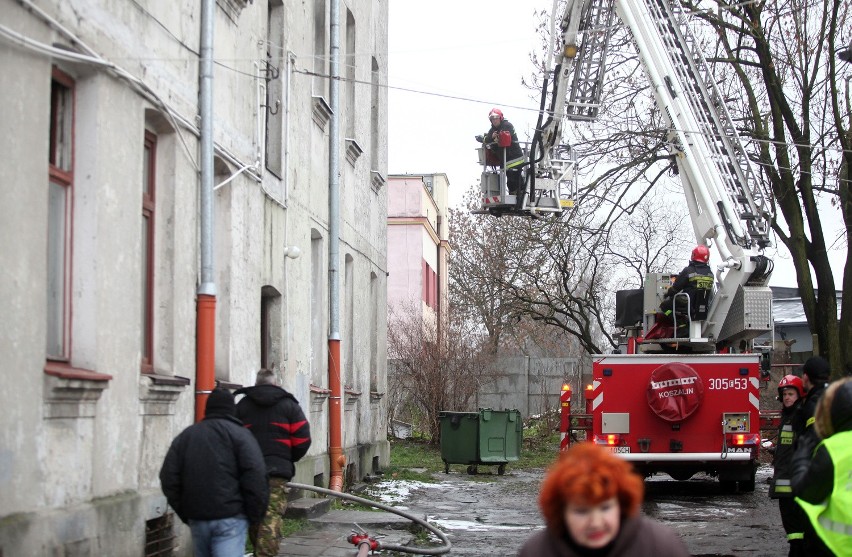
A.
pixel 149 173
pixel 351 378
pixel 319 327
pixel 60 205
pixel 350 61
pixel 429 280
pixel 270 327
pixel 274 86
pixel 375 136
pixel 374 332
pixel 320 81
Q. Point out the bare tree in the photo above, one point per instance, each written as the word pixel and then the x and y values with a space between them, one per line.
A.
pixel 549 282
pixel 780 59
pixel 478 258
pixel 434 369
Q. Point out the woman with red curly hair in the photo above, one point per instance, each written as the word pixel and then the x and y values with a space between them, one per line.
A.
pixel 590 501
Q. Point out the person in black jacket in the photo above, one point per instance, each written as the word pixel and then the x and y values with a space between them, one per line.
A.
pixel 275 418
pixel 791 392
pixel 696 276
pixel 514 156
pixel 815 374
pixel 214 478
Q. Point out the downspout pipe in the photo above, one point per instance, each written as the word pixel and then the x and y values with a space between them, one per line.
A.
pixel 337 460
pixel 205 348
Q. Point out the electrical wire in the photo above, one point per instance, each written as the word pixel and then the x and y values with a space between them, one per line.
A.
pixel 178 121
pixel 94 59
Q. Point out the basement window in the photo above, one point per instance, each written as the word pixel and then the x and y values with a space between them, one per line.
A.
pixel 159 536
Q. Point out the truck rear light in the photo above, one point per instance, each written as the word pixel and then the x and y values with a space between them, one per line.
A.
pixel 610 439
pixel 743 440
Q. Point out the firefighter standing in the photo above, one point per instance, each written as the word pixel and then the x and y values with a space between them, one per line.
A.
pixel 791 392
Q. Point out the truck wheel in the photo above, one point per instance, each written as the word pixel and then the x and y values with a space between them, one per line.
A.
pixel 501 469
pixel 728 486
pixel 471 469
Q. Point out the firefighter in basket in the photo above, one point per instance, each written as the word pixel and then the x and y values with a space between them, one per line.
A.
pixel 695 280
pixel 502 147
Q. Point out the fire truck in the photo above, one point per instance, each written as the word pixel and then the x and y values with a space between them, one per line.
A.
pixel 679 400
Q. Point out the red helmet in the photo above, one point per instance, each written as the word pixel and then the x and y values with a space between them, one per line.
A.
pixel 495 112
pixel 792 381
pixel 701 253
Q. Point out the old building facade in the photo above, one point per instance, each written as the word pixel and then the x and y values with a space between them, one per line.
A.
pixel 100 259
pixel 418 243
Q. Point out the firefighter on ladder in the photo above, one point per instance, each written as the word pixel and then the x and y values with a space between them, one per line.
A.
pixel 509 157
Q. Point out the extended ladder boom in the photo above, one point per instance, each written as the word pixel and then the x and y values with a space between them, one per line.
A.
pixel 726 203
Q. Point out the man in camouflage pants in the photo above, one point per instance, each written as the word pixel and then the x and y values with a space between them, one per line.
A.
pixel 275 418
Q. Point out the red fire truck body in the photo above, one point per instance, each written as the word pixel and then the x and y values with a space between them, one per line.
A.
pixel 679 414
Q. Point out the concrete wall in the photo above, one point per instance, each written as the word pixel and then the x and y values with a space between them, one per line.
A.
pixel 81 441
pixel 530 385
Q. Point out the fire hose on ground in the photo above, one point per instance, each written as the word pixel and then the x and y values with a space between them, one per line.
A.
pixel 365 544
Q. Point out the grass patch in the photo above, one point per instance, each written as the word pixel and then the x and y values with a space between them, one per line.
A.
pixel 415 460
pixel 346 505
pixel 418 460
pixel 538 452
pixel 290 526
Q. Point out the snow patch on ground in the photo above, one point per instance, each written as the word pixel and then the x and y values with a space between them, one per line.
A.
pixel 392 492
pixel 471 526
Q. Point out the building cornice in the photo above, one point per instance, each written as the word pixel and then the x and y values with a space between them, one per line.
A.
pixel 416 221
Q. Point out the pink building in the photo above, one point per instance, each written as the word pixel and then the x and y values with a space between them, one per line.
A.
pixel 418 243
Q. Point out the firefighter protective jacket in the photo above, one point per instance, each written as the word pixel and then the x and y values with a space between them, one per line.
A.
pixel 781 485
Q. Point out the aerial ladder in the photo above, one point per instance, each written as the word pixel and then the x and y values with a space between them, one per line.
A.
pixel 727 207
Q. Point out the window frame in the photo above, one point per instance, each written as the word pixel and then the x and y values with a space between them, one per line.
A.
pixel 61 173
pixel 149 191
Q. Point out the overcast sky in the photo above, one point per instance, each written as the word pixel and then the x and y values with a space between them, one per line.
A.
pixel 463 57
pixel 458 59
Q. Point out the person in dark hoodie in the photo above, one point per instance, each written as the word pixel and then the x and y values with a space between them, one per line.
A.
pixel 822 478
pixel 214 478
pixel 791 392
pixel 815 374
pixel 277 422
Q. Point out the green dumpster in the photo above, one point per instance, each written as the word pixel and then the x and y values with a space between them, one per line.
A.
pixel 487 437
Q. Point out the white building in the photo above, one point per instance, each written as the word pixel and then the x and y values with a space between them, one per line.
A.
pixel 100 259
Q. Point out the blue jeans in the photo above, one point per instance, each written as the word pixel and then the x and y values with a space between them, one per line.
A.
pixel 223 537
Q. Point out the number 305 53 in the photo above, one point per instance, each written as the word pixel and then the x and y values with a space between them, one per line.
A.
pixel 739 383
